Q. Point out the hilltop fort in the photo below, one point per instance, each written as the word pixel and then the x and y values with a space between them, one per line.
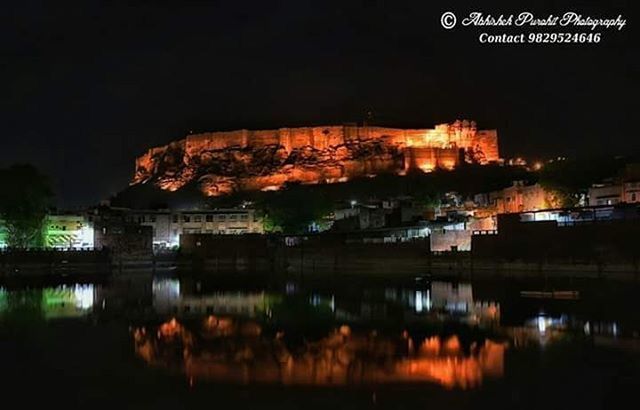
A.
pixel 225 162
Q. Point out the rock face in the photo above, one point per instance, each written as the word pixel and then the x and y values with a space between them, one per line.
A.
pixel 225 162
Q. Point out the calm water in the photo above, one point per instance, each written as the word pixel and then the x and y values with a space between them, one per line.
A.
pixel 191 342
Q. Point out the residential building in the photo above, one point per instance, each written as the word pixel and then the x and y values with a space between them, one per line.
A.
pixel 520 198
pixel 614 193
pixel 68 231
pixel 625 188
pixel 169 225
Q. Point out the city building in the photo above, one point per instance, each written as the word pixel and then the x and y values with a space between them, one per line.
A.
pixel 167 225
pixel 61 231
pixel 519 197
pixel 614 193
pixel 623 189
pixel 68 231
pixel 592 234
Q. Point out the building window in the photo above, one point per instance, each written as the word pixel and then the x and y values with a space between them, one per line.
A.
pixel 186 218
pixel 209 218
pixel 633 197
pixel 244 217
pixel 221 217
pixel 152 218
pixel 233 217
pixel 175 218
pixel 197 218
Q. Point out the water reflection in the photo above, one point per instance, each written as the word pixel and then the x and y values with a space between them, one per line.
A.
pixel 222 349
pixel 49 303
pixel 454 334
pixel 429 302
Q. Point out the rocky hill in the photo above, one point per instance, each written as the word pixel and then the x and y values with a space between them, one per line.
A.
pixel 225 162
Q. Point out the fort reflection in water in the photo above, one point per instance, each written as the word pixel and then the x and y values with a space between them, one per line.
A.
pixel 230 337
pixel 448 333
pixel 224 350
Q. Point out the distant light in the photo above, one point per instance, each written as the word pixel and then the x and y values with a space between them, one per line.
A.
pixel 542 324
pixel 84 296
pixel 290 288
pixel 418 301
pixel 537 166
pixel 354 202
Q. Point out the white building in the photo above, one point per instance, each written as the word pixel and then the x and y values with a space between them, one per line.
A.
pixel 169 225
pixel 612 194
pixel 68 231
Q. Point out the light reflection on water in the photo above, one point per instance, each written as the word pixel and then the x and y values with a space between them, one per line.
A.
pixel 293 334
pixel 224 350
pixel 64 301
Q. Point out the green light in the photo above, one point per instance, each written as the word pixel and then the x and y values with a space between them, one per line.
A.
pixel 3 236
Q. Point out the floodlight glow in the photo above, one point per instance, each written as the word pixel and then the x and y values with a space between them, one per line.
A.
pixel 418 301
pixel 84 296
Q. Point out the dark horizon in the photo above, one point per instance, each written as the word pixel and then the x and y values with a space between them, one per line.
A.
pixel 90 88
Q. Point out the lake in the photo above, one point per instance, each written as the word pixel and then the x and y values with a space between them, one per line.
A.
pixel 175 341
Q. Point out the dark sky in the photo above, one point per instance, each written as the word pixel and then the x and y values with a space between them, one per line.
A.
pixel 89 85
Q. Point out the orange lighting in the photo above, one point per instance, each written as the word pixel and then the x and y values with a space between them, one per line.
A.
pixel 343 357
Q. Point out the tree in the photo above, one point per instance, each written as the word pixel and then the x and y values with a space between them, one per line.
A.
pixel 293 209
pixel 25 197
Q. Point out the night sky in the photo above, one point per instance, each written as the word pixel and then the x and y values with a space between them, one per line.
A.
pixel 87 86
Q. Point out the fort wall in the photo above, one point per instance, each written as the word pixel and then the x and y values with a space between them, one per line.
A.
pixel 311 154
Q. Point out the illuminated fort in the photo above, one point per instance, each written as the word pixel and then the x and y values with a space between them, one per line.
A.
pixel 224 162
